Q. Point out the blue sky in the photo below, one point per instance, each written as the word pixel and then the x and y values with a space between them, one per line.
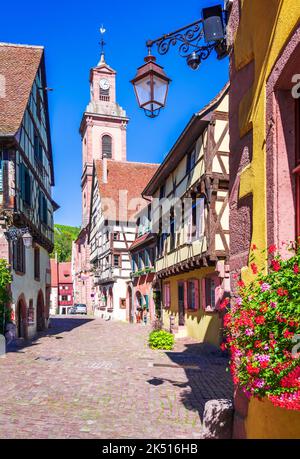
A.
pixel 70 33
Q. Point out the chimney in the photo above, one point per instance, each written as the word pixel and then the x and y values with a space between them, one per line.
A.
pixel 104 171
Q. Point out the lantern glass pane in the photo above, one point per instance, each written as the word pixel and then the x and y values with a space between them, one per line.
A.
pixel 160 91
pixel 143 90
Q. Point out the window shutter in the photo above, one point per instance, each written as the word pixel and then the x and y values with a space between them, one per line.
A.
pixel 197 299
pixel 186 295
pixel 203 293
pixel 22 180
pixel 200 212
pixel 41 206
pixel 190 227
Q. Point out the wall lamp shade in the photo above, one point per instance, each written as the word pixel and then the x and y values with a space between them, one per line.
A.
pixel 151 87
pixel 27 240
pixel 213 23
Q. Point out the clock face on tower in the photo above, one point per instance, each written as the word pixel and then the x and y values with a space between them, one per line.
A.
pixel 104 84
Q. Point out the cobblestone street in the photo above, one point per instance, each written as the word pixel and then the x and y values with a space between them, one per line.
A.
pixel 86 378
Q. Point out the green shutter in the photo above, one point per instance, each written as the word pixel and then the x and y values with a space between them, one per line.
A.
pixel 22 180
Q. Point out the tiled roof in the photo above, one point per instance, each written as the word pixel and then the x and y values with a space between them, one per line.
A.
pixel 18 67
pixel 124 178
pixel 141 240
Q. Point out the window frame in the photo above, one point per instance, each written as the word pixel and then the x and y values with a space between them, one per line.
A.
pixel 106 149
pixel 166 295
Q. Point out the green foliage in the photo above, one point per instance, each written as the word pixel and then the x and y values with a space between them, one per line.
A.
pixel 5 280
pixel 161 339
pixel 63 238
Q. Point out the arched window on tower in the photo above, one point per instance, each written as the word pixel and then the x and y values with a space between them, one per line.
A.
pixel 106 146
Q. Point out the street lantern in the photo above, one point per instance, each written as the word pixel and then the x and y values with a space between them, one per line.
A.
pixel 151 86
pixel 27 240
pixel 195 43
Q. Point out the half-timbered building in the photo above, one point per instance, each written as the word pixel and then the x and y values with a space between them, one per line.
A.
pixel 142 287
pixel 115 200
pixel 190 217
pixel 26 178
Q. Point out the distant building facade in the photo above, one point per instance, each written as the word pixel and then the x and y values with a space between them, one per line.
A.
pixel 141 289
pixel 116 198
pixel 62 298
pixel 26 178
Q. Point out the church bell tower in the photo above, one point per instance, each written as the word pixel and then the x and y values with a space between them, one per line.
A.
pixel 103 126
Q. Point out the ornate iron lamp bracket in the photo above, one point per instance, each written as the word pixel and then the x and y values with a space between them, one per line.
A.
pixel 13 234
pixel 189 39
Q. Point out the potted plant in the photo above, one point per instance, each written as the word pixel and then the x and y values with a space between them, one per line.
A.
pixel 263 331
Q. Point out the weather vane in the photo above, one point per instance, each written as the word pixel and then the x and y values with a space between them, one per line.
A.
pixel 102 43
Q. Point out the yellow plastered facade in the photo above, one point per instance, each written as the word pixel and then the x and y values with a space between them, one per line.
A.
pixel 264 30
pixel 200 325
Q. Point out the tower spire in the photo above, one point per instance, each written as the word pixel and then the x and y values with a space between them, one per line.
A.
pixel 102 44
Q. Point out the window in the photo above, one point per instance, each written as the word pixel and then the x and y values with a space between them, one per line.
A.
pixel 116 236
pixel 38 151
pixel 106 147
pixel 38 104
pixel 193 294
pixel 140 261
pixel 104 94
pixel 210 296
pixel 167 298
pixel 133 263
pixel 43 209
pixel 147 259
pixel 19 256
pixel 37 263
pixel 116 261
pixel 172 229
pixel 64 298
pixel 25 184
pixel 195 224
pixel 162 191
pixel 190 161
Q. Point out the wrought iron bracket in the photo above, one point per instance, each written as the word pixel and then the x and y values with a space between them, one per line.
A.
pixel 189 39
pixel 13 233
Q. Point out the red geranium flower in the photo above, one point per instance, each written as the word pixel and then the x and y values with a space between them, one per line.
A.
pixel 282 292
pixel 276 265
pixel 296 269
pixel 252 370
pixel 260 320
pixel 241 283
pixel 254 268
pixel 272 249
pixel 287 334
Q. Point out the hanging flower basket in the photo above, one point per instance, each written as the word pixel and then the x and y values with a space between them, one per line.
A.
pixel 263 332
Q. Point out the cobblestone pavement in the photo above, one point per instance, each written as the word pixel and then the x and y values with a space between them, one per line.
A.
pixel 87 378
